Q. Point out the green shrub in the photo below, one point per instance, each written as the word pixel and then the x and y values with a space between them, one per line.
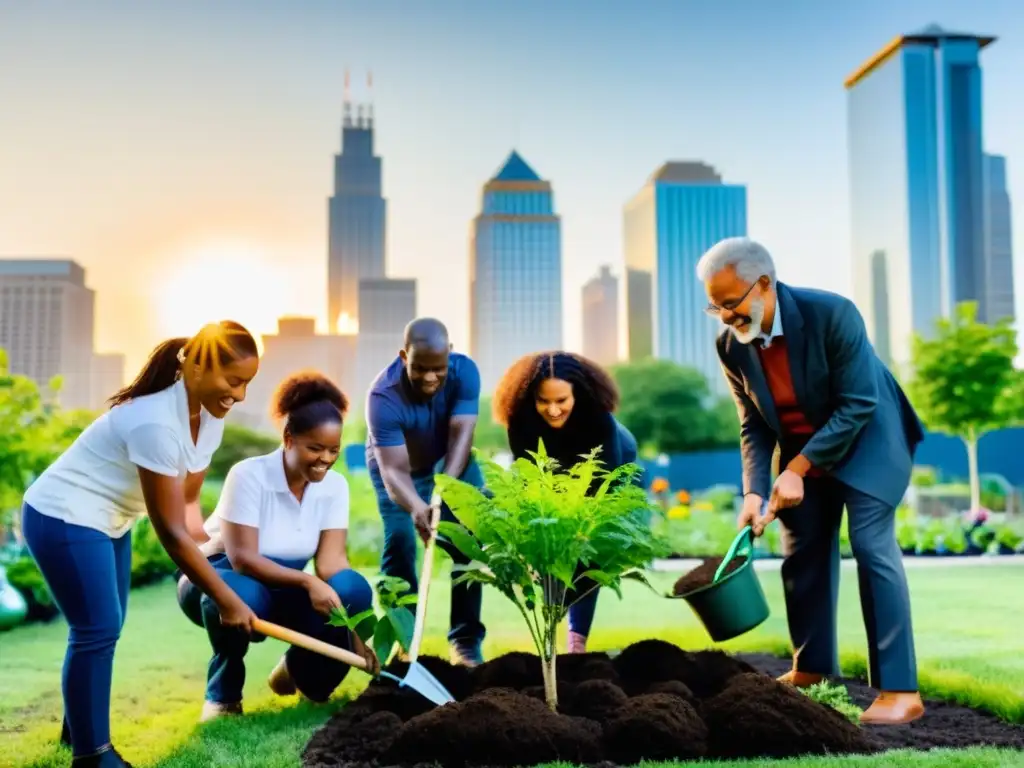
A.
pixel 836 696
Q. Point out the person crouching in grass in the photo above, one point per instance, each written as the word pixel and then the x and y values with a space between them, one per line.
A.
pixel 275 513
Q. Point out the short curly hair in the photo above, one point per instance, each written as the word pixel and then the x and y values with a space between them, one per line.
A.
pixel 307 399
pixel 592 385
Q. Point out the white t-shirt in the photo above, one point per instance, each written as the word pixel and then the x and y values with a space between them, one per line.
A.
pixel 256 494
pixel 95 482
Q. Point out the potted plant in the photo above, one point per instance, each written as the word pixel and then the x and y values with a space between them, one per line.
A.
pixel 537 533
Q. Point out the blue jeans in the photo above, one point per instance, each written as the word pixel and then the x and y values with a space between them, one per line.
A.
pixel 399 557
pixel 581 613
pixel 88 573
pixel 314 675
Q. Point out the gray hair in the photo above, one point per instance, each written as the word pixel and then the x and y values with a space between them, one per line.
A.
pixel 749 258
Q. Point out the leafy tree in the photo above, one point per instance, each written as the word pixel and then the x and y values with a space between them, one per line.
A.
pixel 964 383
pixel 671 408
pixel 33 433
pixel 536 534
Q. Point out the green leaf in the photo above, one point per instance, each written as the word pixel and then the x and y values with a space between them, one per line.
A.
pixel 403 625
pixel 462 539
pixel 384 641
pixel 365 629
pixel 407 600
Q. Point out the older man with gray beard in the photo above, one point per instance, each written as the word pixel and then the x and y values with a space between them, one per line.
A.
pixel 806 379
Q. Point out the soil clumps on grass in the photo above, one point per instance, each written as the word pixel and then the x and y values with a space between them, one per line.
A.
pixel 756 716
pixel 495 728
pixel 653 701
pixel 704 574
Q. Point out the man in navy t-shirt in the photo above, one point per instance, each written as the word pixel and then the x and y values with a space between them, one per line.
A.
pixel 421 412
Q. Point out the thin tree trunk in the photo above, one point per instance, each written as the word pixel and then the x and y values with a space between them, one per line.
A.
pixel 550 678
pixel 971 441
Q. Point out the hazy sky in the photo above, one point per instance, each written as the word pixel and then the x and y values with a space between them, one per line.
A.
pixel 182 150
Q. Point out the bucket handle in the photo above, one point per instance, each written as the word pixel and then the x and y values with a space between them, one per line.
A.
pixel 743 536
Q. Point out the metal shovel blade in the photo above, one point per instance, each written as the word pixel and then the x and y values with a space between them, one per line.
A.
pixel 424 683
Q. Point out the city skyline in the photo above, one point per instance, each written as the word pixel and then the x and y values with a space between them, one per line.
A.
pixel 184 173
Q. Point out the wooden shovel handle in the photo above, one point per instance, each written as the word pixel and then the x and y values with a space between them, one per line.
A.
pixel 425 574
pixel 309 643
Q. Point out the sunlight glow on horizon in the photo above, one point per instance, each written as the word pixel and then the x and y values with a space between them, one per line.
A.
pixel 220 281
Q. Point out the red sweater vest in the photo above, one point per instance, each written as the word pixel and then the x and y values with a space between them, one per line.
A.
pixel 795 427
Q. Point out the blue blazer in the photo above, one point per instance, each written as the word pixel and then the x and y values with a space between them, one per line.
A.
pixel 866 429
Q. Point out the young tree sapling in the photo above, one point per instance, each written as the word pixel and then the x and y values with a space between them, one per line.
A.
pixel 546 538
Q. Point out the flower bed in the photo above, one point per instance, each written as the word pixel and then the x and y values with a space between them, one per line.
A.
pixel 653 701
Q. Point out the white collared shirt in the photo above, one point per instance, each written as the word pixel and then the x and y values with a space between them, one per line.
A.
pixel 95 482
pixel 776 331
pixel 256 494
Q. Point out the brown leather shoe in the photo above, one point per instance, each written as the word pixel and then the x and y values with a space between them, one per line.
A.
pixel 893 709
pixel 214 709
pixel 280 680
pixel 800 679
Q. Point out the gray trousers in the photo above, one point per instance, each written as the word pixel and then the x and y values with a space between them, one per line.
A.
pixel 810 577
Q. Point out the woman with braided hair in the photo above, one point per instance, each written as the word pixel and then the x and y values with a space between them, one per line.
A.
pixel 147 455
pixel 568 402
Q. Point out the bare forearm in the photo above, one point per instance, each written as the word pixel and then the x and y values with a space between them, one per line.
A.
pixel 326 567
pixel 402 490
pixel 186 555
pixel 457 458
pixel 266 571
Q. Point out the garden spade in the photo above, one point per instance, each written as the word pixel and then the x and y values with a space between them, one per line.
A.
pixel 417 678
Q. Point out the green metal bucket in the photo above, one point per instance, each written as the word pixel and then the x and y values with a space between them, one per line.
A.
pixel 734 603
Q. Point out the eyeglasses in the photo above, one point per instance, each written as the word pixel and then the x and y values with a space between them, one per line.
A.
pixel 731 306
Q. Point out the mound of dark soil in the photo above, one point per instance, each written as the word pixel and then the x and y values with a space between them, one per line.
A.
pixel 945 724
pixel 654 701
pixel 655 726
pixel 494 728
pixel 704 574
pixel 757 716
pixel 652 662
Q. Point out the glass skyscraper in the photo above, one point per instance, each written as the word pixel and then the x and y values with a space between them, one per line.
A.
pixel 914 113
pixel 683 210
pixel 515 271
pixel 356 220
pixel 998 241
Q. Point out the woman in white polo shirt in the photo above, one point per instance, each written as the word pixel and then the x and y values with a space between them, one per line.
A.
pixel 147 454
pixel 275 513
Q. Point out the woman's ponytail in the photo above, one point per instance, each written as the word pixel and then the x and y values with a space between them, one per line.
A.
pixel 159 372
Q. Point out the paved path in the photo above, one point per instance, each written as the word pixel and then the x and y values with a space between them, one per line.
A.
pixel 681 566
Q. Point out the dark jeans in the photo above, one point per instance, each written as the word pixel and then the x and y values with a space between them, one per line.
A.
pixel 581 613
pixel 810 577
pixel 314 675
pixel 88 574
pixel 399 556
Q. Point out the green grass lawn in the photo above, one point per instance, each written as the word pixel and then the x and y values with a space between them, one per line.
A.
pixel 966 622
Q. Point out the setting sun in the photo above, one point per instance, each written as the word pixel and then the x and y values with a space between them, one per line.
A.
pixel 220 282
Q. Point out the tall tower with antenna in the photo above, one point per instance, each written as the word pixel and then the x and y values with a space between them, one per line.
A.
pixel 356 213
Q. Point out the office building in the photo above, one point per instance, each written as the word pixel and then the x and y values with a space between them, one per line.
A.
pixel 107 378
pixel 47 324
pixel 296 347
pixel 914 113
pixel 515 270
pixel 601 317
pixel 356 218
pixel 386 306
pixel 682 210
pixel 999 301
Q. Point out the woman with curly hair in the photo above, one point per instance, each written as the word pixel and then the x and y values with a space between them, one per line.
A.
pixel 277 512
pixel 568 402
